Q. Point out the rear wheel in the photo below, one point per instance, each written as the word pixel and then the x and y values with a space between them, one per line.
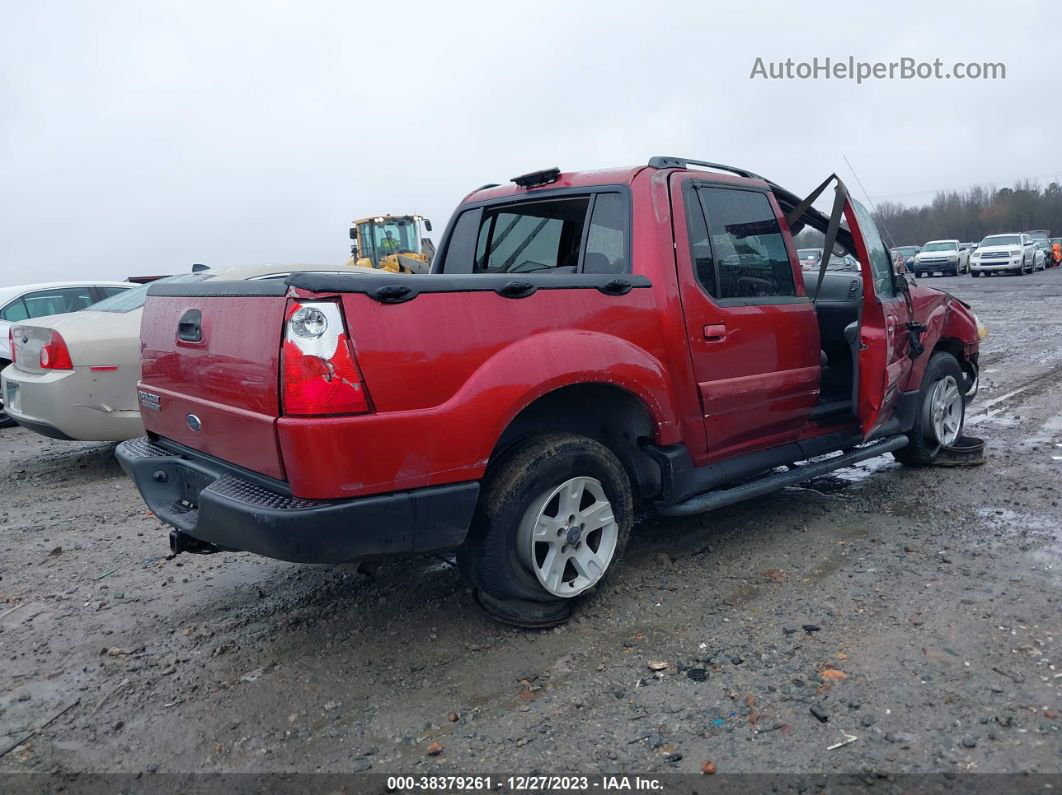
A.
pixel 552 523
pixel 941 412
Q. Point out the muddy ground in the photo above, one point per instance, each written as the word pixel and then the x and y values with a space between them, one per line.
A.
pixel 918 611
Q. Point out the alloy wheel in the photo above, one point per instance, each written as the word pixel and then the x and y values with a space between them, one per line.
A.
pixel 568 536
pixel 945 407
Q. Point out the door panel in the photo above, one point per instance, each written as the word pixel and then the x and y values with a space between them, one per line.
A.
pixel 754 339
pixel 884 365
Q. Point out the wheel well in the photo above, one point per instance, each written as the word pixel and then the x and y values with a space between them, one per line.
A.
pixel 608 414
pixel 952 346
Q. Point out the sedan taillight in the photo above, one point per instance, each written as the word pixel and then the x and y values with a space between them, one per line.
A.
pixel 55 355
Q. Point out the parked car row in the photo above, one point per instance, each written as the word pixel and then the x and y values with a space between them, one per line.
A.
pixel 1018 253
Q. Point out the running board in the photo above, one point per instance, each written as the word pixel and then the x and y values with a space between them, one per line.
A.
pixel 717 498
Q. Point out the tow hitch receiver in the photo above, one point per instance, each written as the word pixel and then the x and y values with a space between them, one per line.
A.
pixel 182 542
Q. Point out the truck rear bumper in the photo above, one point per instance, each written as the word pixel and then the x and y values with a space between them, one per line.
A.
pixel 221 506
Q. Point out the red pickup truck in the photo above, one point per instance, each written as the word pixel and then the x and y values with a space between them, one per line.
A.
pixel 586 343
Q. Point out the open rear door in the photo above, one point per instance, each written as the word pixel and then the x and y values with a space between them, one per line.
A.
pixel 884 344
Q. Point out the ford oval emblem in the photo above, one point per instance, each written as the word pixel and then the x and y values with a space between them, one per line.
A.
pixel 194 422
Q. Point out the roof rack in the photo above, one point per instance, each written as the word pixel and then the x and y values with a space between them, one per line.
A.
pixel 663 161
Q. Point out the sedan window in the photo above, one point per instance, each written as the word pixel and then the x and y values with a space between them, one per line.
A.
pixel 57 302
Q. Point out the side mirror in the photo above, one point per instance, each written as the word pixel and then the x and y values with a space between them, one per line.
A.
pixel 353 233
pixel 427 224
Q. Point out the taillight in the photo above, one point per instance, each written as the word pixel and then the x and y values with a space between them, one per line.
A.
pixel 319 372
pixel 55 355
pixel 11 342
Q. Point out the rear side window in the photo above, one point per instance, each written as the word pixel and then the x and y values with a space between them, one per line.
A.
pixel 16 310
pixel 58 302
pixel 109 291
pixel 542 236
pixel 747 253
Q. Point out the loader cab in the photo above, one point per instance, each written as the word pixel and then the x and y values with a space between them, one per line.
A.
pixel 392 242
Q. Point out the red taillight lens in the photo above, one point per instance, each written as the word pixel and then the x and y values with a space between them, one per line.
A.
pixel 319 372
pixel 55 355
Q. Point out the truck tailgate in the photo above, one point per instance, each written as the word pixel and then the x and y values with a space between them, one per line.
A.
pixel 210 369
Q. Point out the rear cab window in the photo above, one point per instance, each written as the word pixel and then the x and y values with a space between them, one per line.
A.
pixel 566 232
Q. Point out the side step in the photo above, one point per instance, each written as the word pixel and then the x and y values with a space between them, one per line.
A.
pixel 717 498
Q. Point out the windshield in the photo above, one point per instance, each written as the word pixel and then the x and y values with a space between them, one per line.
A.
pixel 1001 240
pixel 942 245
pixel 128 300
pixel 390 236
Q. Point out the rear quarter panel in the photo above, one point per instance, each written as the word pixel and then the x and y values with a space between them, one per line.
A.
pixel 447 372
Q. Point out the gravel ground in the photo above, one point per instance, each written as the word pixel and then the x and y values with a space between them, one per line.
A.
pixel 917 611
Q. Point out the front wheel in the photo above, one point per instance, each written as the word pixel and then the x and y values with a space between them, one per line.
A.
pixel 941 412
pixel 553 521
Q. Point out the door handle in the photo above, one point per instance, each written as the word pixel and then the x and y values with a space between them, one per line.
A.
pixel 715 332
pixel 189 328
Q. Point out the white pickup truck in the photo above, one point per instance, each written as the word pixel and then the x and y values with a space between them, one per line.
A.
pixel 1012 253
pixel 947 257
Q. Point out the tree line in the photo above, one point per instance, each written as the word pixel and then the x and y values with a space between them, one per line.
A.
pixel 966 215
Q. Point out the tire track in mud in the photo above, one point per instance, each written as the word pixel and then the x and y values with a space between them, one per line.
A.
pixel 1030 387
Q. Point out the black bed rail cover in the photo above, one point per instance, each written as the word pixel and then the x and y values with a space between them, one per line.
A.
pixel 398 288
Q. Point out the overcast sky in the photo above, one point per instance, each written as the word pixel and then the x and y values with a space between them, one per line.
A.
pixel 141 137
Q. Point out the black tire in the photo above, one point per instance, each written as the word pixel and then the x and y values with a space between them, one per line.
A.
pixel 922 449
pixel 533 466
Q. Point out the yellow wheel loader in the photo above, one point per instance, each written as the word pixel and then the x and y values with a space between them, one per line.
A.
pixel 393 243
